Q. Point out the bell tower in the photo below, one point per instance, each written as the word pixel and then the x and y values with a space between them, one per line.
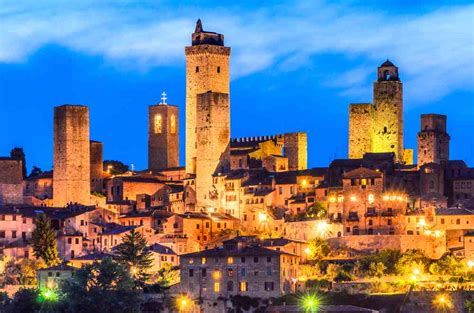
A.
pixel 207 68
pixel 387 125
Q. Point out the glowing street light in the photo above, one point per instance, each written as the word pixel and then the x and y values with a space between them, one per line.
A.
pixel 470 264
pixel 47 294
pixel 310 302
pixel 262 217
pixel 443 302
pixel 183 303
pixel 307 250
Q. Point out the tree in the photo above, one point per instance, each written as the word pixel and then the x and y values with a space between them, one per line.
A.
pixel 316 210
pixel 115 167
pixel 100 287
pixel 318 248
pixel 44 241
pixel 377 269
pixel 35 171
pixel 167 276
pixel 410 260
pixel 25 300
pixel 133 254
pixel 17 153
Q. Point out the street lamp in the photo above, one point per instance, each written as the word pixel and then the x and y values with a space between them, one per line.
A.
pixel 183 303
pixel 443 302
pixel 310 302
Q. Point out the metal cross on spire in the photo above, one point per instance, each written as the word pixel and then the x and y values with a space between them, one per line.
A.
pixel 163 98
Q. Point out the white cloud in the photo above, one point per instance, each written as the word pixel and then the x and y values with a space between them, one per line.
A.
pixel 434 50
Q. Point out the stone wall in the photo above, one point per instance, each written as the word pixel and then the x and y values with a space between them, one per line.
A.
pixel 71 176
pixel 163 137
pixel 296 150
pixel 207 68
pixel 97 167
pixel 433 247
pixel 360 126
pixel 433 141
pixel 213 135
pixel 10 171
pixel 387 125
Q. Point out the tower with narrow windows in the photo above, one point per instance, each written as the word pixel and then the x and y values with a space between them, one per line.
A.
pixel 387 123
pixel 163 136
pixel 207 68
pixel 433 140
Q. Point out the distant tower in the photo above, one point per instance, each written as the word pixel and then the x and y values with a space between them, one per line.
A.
pixel 207 68
pixel 433 140
pixel 360 129
pixel 163 136
pixel 97 167
pixel 213 137
pixel 71 176
pixel 387 126
pixel 296 150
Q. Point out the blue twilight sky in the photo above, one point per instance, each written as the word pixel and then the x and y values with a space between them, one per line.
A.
pixel 295 66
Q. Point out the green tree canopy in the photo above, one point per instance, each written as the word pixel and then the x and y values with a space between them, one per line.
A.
pixel 318 248
pixel 44 241
pixel 115 167
pixel 134 255
pixel 100 287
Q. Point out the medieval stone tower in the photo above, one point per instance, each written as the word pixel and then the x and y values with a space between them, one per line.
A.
pixel 378 127
pixel 71 176
pixel 387 125
pixel 207 68
pixel 433 140
pixel 163 136
pixel 213 138
pixel 97 168
pixel 296 150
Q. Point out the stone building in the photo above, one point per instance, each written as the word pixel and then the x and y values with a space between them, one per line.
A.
pixel 97 167
pixel 163 136
pixel 11 181
pixel 212 138
pixel 433 140
pixel 378 127
pixel 71 174
pixel 207 68
pixel 242 266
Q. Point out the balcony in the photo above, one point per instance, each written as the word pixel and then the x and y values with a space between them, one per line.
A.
pixel 353 217
pixel 371 213
pixel 388 213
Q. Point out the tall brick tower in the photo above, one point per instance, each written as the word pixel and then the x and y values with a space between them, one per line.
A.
pixel 296 150
pixel 213 137
pixel 207 68
pixel 97 167
pixel 387 124
pixel 71 176
pixel 163 136
pixel 360 129
pixel 433 140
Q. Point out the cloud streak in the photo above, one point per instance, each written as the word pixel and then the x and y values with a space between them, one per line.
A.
pixel 434 50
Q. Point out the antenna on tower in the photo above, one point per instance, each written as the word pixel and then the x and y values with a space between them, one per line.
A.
pixel 163 98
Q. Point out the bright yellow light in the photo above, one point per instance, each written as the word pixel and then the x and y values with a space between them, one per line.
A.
pixel 443 301
pixel 307 250
pixel 230 260
pixel 416 271
pixel 340 198
pixel 304 183
pixel 183 302
pixel 332 199
pixel 302 278
pixel 262 217
pixel 216 275
pixel 470 264
pixel 322 226
pixel 422 222
pixel 353 198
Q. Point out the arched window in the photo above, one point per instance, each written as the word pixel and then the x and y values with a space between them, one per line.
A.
pixel 158 125
pixel 173 124
pixel 355 230
pixel 386 75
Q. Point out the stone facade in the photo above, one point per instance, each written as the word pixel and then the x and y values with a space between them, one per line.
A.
pixel 296 150
pixel 207 68
pixel 213 137
pixel 378 127
pixel 360 129
pixel 71 175
pixel 97 167
pixel 11 181
pixel 433 140
pixel 163 137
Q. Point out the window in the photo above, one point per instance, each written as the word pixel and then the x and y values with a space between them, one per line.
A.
pixel 269 286
pixel 431 184
pixel 269 271
pixel 243 286
pixel 197 69
pixel 230 260
pixel 77 241
pixel 197 226
pixel 269 259
pixel 191 272
pixel 13 233
pixel 203 260
pixel 389 221
pixel 217 287
pixel 14 217
pixel 230 272
pixel 158 126
pixel 243 272
pixel 458 221
pixel 242 259
pixel 230 286
pixel 173 124
pixel 218 69
pixel 58 274
pixel 255 259
pixel 203 272
pixel 50 274
pixel 371 222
